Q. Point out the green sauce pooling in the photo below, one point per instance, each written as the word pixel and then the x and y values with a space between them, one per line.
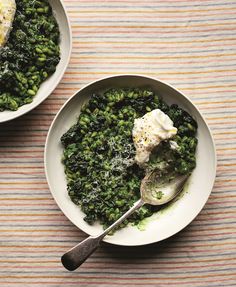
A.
pixel 103 178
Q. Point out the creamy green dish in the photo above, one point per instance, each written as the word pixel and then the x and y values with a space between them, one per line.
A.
pixel 30 55
pixel 99 153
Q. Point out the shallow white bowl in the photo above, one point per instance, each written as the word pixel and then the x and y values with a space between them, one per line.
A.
pixel 50 84
pixel 164 223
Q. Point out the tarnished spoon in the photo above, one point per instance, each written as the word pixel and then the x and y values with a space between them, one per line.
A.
pixel 151 193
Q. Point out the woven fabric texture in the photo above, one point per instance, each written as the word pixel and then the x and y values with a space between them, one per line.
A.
pixel 189 44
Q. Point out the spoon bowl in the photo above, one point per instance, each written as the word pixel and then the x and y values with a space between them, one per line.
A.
pixel 155 193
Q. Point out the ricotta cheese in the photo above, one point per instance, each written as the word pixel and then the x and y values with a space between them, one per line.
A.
pixel 149 131
pixel 7 14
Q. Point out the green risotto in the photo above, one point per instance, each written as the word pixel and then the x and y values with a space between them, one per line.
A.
pixel 31 54
pixel 102 176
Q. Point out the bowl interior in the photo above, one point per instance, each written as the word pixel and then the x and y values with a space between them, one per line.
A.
pixel 50 84
pixel 167 221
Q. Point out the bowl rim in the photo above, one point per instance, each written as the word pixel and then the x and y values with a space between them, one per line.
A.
pixel 125 75
pixel 18 113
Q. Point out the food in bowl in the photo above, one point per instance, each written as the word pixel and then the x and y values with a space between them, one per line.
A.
pixel 102 171
pixel 30 54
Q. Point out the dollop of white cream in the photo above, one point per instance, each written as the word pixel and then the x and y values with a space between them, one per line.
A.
pixel 7 13
pixel 149 131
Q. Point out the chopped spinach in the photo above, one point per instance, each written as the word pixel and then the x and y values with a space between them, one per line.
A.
pixel 102 177
pixel 31 54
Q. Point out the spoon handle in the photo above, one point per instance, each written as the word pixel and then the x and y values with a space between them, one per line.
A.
pixel 73 258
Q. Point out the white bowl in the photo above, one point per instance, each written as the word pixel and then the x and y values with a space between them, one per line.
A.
pixel 50 84
pixel 164 223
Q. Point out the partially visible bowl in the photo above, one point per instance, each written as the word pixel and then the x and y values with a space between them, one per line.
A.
pixel 164 223
pixel 50 84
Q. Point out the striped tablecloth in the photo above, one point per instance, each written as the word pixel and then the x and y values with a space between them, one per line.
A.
pixel 189 44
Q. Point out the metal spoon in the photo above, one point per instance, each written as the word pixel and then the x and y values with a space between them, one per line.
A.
pixel 151 193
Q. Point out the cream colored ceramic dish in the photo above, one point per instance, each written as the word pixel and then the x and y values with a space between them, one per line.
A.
pixel 164 223
pixel 50 84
